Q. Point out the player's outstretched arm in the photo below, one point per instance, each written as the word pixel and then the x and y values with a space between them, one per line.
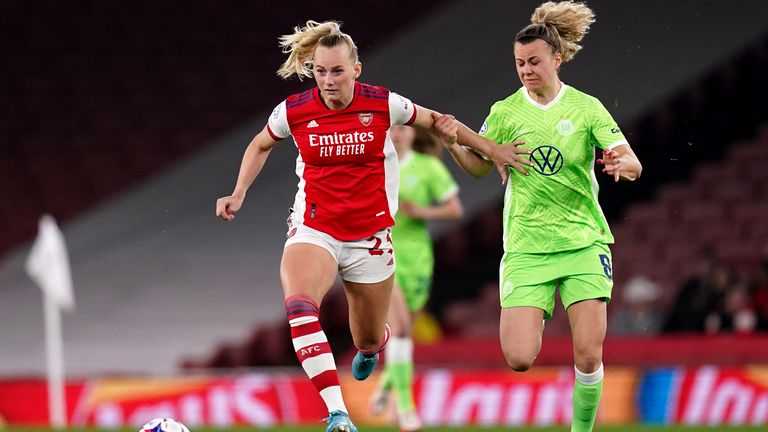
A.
pixel 250 167
pixel 446 127
pixel 502 155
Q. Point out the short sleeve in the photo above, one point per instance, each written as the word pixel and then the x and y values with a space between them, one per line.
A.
pixel 493 126
pixel 278 123
pixel 401 110
pixel 604 129
pixel 442 185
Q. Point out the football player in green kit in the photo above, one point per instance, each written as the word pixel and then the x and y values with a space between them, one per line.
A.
pixel 555 234
pixel 427 192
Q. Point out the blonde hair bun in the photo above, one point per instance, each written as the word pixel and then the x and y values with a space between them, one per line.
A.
pixel 570 20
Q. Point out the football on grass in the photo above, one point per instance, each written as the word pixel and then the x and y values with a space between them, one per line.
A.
pixel 164 425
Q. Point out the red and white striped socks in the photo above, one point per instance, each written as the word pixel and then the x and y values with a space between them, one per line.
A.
pixel 313 350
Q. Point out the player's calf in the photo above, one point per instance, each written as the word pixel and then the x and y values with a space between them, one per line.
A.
pixel 365 361
pixel 314 352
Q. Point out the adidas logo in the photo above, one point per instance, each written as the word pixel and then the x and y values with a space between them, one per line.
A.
pixel 312 124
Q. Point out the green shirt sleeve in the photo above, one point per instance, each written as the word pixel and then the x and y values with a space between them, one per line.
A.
pixel 441 183
pixel 604 129
pixel 493 126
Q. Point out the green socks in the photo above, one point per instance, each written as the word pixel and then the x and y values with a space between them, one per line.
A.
pixel 385 382
pixel 402 380
pixel 399 372
pixel 586 397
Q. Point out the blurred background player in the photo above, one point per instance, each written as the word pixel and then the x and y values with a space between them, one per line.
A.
pixel 343 211
pixel 427 192
pixel 555 234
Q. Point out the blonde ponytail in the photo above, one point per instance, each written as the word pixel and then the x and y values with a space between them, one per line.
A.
pixel 562 25
pixel 300 46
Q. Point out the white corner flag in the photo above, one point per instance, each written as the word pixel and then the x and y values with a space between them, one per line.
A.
pixel 48 266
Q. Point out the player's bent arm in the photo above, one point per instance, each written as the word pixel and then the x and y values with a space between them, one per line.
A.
pixel 449 209
pixel 500 156
pixel 469 138
pixel 469 161
pixel 424 118
pixel 253 161
pixel 630 164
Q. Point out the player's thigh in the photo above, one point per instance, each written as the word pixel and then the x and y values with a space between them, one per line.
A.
pixel 399 314
pixel 520 330
pixel 307 269
pixel 585 290
pixel 588 319
pixel 368 310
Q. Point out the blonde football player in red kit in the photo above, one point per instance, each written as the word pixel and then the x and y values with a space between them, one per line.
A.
pixel 347 198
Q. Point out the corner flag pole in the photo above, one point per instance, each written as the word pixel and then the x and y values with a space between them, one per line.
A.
pixel 48 266
pixel 54 354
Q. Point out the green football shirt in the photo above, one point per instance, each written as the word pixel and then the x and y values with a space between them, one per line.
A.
pixel 424 179
pixel 555 207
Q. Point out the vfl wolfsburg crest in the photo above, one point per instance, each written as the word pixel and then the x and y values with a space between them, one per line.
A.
pixel 565 127
pixel 507 289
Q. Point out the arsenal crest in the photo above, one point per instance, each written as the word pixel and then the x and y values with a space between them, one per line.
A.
pixel 365 118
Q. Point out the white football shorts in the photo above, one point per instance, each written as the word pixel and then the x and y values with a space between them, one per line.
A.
pixel 368 260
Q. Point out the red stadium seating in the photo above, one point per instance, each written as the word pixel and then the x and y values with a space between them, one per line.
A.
pixel 104 95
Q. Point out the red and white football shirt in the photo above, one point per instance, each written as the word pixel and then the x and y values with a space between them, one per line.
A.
pixel 347 165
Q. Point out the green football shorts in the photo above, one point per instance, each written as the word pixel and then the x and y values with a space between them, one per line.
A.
pixel 415 287
pixel 415 266
pixel 530 279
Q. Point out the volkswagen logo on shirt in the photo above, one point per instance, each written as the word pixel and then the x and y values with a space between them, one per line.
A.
pixel 547 160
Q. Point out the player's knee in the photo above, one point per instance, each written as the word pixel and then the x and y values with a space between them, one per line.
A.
pixel 588 360
pixel 519 362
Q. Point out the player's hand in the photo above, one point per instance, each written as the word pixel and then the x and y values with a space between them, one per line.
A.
pixel 412 210
pixel 611 162
pixel 446 128
pixel 227 206
pixel 510 155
